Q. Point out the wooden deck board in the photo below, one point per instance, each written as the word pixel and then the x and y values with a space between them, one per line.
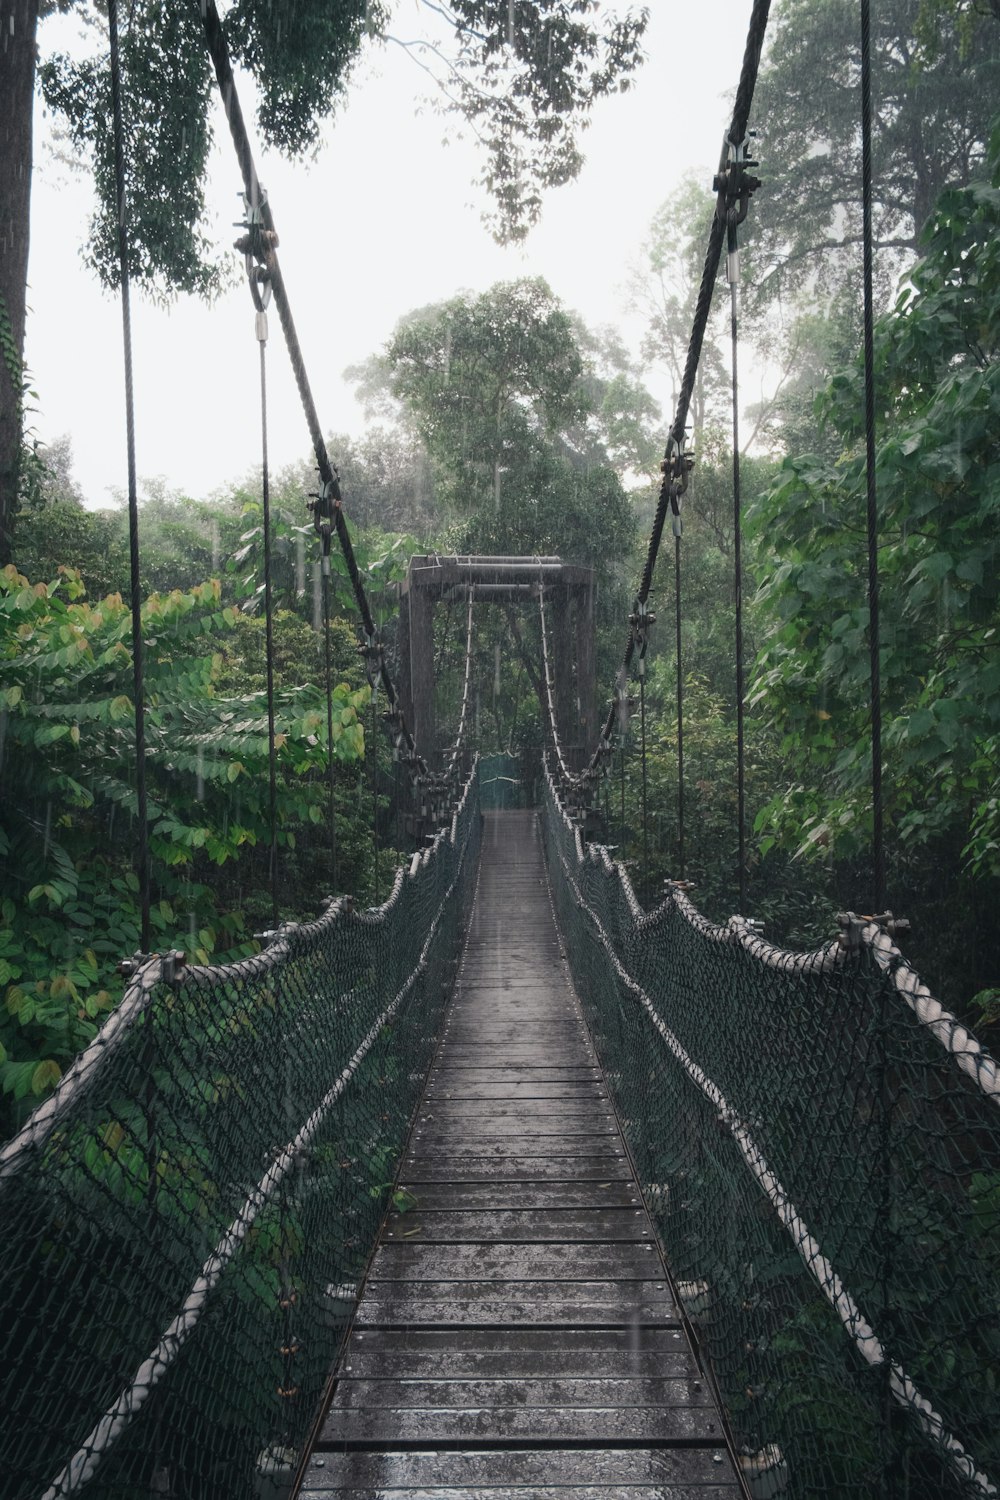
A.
pixel 516 1333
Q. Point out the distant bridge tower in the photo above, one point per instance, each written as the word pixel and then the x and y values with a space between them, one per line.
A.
pixel 569 593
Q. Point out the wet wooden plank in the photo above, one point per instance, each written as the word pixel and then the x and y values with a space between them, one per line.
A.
pixel 514 1262
pixel 526 1194
pixel 551 1071
pixel 676 1471
pixel 514 1091
pixel 515 1128
pixel 531 1424
pixel 315 1491
pixel 560 1226
pixel 475 1305
pixel 598 1393
pixel 519 1353
pixel 432 1166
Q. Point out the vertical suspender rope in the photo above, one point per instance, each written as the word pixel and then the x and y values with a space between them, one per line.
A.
pixel 733 273
pixel 875 690
pixel 645 811
pixel 142 848
pixel 328 675
pixel 621 775
pixel 874 638
pixel 374 756
pixel 680 708
pixel 272 771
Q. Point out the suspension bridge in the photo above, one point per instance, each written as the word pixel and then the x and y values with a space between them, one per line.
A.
pixel 508 1184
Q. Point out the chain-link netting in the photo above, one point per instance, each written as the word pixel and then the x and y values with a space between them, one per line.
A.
pixel 188 1217
pixel 819 1144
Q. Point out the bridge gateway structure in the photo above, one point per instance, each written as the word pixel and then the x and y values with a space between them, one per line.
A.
pixel 504 582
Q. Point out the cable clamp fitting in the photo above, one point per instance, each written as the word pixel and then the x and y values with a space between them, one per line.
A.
pixel 852 926
pixel 676 469
pixel 255 245
pixel 734 185
pixel 640 620
pixel 624 703
pixel 373 652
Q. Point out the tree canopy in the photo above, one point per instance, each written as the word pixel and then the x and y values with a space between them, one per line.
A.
pixel 522 77
pixel 930 132
pixel 938 383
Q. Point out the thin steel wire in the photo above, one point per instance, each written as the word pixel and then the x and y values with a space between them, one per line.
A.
pixel 272 765
pixel 741 813
pixel 121 193
pixel 871 517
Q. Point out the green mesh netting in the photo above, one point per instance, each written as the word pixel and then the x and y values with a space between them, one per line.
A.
pixel 819 1144
pixel 187 1218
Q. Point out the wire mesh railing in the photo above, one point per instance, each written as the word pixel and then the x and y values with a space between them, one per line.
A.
pixel 819 1144
pixel 189 1215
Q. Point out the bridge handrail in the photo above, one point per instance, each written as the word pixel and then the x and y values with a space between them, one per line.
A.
pixel 860 1109
pixel 214 1169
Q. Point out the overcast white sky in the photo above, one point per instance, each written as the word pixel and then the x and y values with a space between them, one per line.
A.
pixel 387 218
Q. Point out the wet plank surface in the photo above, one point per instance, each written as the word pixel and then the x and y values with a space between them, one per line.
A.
pixel 516 1335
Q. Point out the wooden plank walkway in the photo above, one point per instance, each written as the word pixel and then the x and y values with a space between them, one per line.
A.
pixel 516 1332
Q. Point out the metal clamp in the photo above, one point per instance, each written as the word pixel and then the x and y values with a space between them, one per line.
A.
pixel 640 620
pixel 852 925
pixel 734 185
pixel 676 468
pixel 171 965
pixel 373 653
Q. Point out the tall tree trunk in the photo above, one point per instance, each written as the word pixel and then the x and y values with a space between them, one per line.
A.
pixel 18 25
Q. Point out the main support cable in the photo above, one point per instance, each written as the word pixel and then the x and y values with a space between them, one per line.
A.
pixel 550 708
pixel 732 183
pixel 260 292
pixel 874 634
pixel 327 506
pixel 735 214
pixel 142 846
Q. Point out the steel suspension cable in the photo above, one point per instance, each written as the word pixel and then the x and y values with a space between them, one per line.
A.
pixel 138 691
pixel 549 696
pixel 678 645
pixel 452 759
pixel 734 283
pixel 677 463
pixel 272 770
pixel 328 512
pixel 645 807
pixel 328 683
pixel 874 633
pixel 373 751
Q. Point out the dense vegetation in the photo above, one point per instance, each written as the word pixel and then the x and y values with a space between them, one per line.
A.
pixel 504 425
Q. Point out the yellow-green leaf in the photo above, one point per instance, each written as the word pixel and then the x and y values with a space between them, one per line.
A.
pixel 45 1076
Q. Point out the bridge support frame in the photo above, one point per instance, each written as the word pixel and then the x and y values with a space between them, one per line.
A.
pixel 570 589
